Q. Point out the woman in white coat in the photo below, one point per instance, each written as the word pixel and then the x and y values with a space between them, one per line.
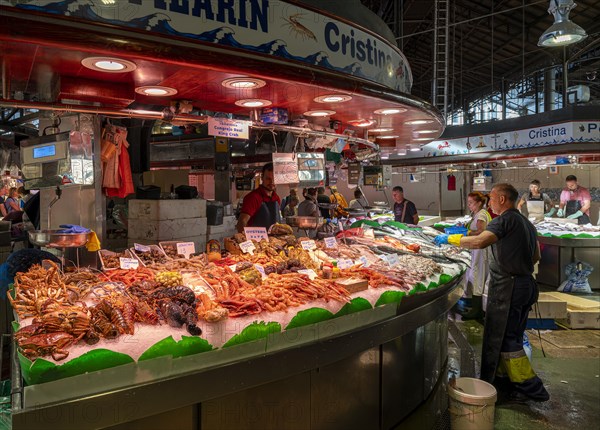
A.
pixel 477 276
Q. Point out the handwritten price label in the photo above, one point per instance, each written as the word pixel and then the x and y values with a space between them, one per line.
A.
pixel 261 270
pixel 309 272
pixel 390 259
pixel 345 263
pixel 128 263
pixel 186 248
pixel 309 245
pixel 363 260
pixel 247 247
pixel 331 242
pixel 141 248
pixel 256 233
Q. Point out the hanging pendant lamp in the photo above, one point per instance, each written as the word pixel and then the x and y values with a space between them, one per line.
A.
pixel 563 31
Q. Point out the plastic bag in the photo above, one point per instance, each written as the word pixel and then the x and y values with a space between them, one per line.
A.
pixel 527 346
pixel 577 278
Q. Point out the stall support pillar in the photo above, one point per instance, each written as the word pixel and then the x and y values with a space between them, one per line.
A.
pixel 222 170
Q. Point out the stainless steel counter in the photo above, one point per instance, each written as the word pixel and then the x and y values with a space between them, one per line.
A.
pixel 558 252
pixel 370 376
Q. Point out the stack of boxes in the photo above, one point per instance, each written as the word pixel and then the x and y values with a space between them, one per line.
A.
pixel 154 221
pixel 219 232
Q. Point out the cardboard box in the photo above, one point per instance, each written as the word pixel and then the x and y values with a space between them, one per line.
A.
pixel 170 229
pixel 578 319
pixel 159 210
pixel 353 285
pixel 549 307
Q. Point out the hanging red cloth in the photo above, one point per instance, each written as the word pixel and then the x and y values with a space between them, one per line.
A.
pixel 451 183
pixel 126 180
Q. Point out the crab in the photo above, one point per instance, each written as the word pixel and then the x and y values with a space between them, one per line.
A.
pixel 53 344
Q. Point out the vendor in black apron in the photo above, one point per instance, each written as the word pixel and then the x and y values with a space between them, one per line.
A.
pixel 575 202
pixel 539 204
pixel 512 292
pixel 261 206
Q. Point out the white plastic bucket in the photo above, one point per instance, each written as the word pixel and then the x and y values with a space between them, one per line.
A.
pixel 472 404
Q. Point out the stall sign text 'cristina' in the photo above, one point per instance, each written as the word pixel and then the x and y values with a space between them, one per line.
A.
pixel 267 27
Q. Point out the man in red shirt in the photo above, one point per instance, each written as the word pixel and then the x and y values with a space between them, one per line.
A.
pixel 261 206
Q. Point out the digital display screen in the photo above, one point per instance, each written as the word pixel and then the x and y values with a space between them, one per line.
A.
pixel 44 151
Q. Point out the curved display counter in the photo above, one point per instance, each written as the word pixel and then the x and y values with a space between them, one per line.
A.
pixel 558 252
pixel 369 369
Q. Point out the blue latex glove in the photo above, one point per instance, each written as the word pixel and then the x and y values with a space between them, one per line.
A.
pixel 549 214
pixel 560 213
pixel 441 239
pixel 575 215
pixel 72 228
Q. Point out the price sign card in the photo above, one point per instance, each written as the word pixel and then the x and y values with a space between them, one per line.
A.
pixel 141 248
pixel 309 245
pixel 393 259
pixel 256 233
pixel 331 242
pixel 309 272
pixel 261 270
pixel 186 248
pixel 128 263
pixel 368 232
pixel 363 260
pixel 345 263
pixel 247 247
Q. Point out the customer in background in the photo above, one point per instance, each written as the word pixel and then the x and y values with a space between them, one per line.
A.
pixel 24 195
pixel 535 194
pixel 337 198
pixel 291 208
pixel 286 200
pixel 575 202
pixel 477 276
pixel 512 292
pixel 323 199
pixel 11 203
pixel 3 192
pixel 309 206
pixel 405 211
pixel 359 201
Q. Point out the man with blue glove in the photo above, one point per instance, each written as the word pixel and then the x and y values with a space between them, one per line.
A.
pixel 512 292
pixel 575 202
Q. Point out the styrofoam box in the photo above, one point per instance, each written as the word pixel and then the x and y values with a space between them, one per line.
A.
pixel 166 229
pixel 199 242
pixel 167 209
pixel 549 307
pixel 221 229
pixel 587 319
pixel 230 221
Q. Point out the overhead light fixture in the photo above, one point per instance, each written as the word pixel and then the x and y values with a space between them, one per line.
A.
pixel 390 111
pixel 319 113
pixel 380 130
pixel 333 98
pixel 402 151
pixel 423 138
pixel 426 131
pixel 156 91
pixel 419 122
pixel 563 31
pixel 253 102
pixel 108 64
pixel 243 83
pixel 362 122
pixel 388 137
pixel 414 148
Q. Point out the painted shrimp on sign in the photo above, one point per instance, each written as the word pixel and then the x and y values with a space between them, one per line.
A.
pixel 267 27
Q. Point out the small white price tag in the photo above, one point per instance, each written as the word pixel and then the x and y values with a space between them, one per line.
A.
pixel 345 263
pixel 309 272
pixel 141 248
pixel 385 258
pixel 186 248
pixel 393 259
pixel 261 270
pixel 256 233
pixel 233 267
pixel 331 242
pixel 341 225
pixel 247 247
pixel 309 245
pixel 363 260
pixel 368 232
pixel 128 263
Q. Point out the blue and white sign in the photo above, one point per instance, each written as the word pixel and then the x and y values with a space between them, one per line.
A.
pixel 231 128
pixel 548 135
pixel 268 27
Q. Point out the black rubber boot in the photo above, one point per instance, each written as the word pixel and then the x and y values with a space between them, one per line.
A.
pixel 476 311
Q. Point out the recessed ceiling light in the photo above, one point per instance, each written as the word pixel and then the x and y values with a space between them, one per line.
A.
pixel 423 138
pixel 156 91
pixel 419 122
pixel 362 122
pixel 253 102
pixel 402 151
pixel 390 111
pixel 415 148
pixel 243 83
pixel 388 137
pixel 380 130
pixel 427 131
pixel 108 64
pixel 333 98
pixel 319 113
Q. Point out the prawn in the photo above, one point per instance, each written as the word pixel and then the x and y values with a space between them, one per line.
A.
pixel 297 29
